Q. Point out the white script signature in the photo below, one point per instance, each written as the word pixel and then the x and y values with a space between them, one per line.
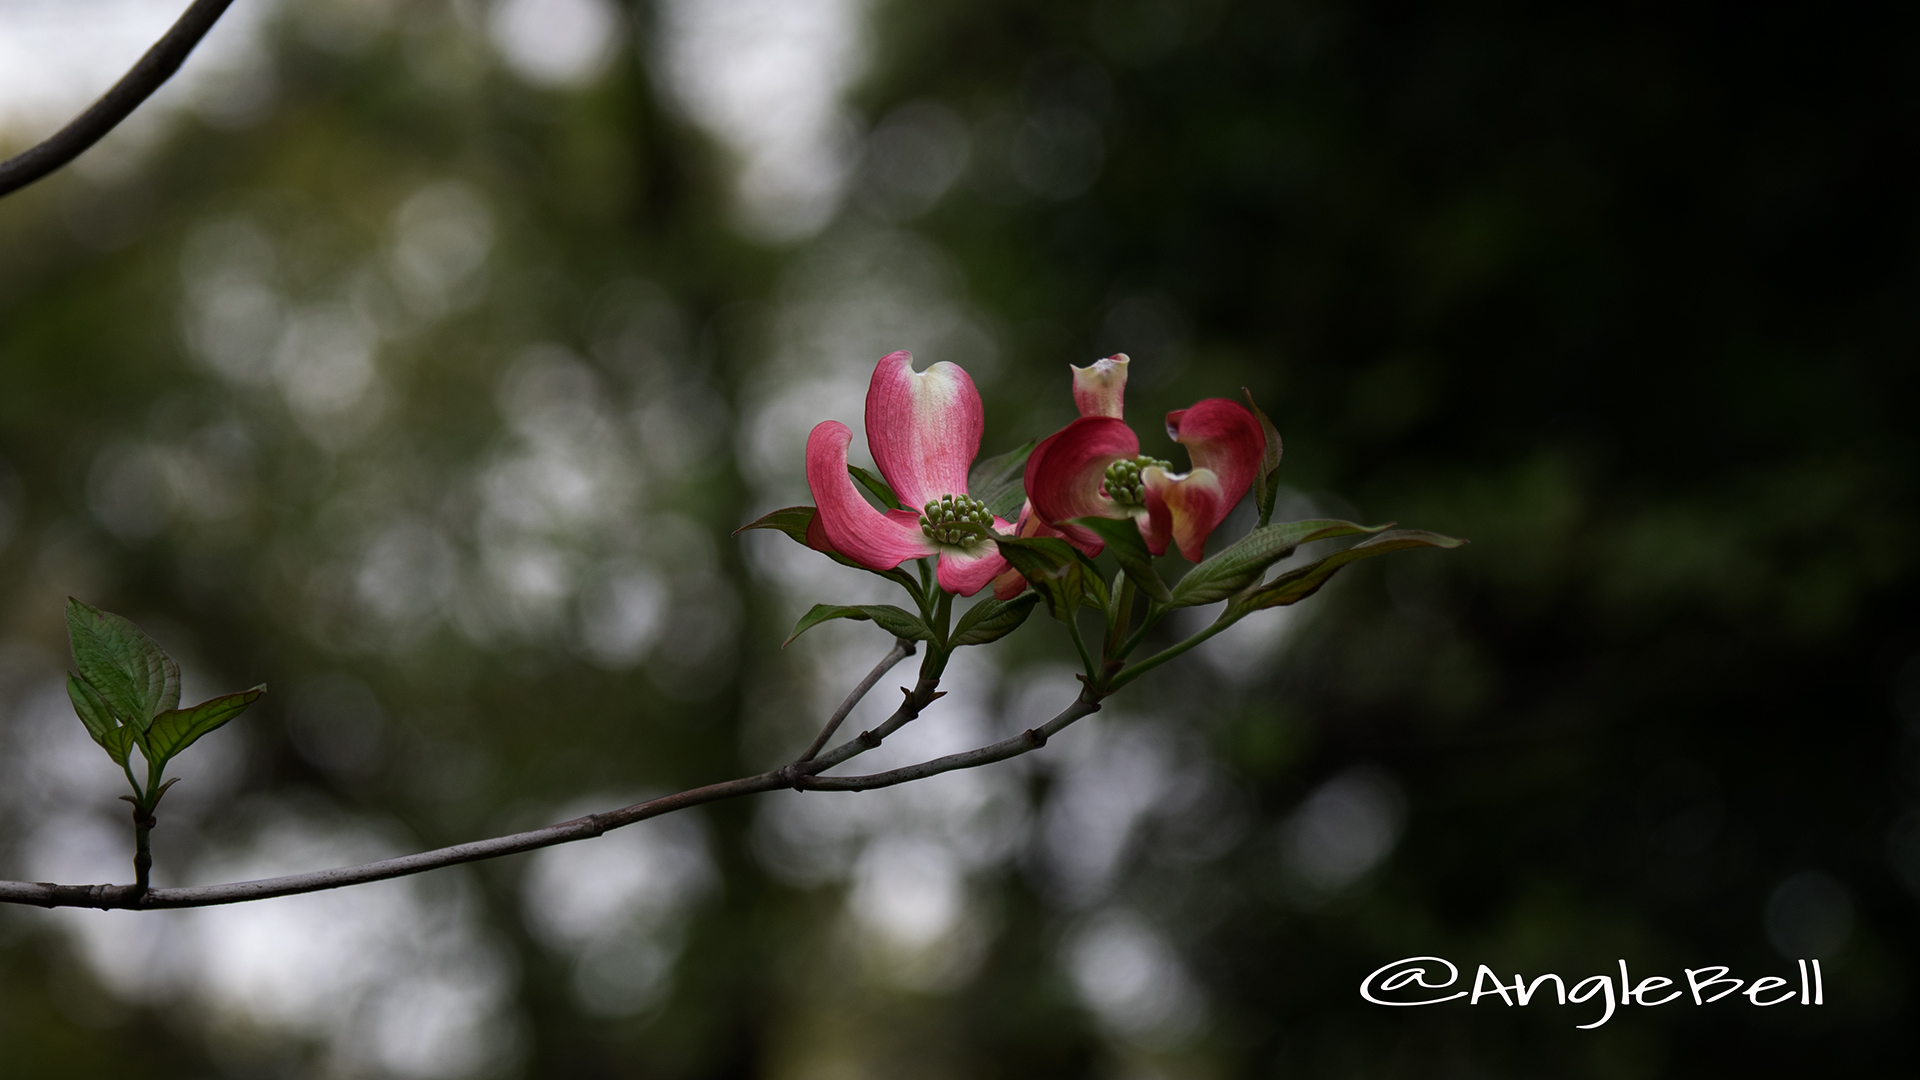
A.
pixel 1416 977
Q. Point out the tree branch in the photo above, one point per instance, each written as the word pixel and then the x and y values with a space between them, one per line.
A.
pixel 1027 741
pixel 138 84
pixel 902 648
pixel 798 775
pixel 917 699
pixel 45 894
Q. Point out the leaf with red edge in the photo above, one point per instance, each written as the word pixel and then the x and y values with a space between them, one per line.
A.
pixel 1267 485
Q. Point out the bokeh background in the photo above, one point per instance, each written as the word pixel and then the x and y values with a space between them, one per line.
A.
pixel 418 358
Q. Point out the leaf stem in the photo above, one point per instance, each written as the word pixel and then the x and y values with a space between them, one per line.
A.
pixel 1155 612
pixel 1118 616
pixel 127 768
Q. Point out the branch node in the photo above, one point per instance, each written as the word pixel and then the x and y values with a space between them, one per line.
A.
pixel 796 774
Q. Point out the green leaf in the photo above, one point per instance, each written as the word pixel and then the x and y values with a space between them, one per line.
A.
pixel 888 500
pixel 792 520
pixel 133 674
pixel 118 743
pixel 92 709
pixel 1267 484
pixel 1129 549
pixel 1298 584
pixel 1244 563
pixel 991 620
pixel 1057 571
pixel 1093 584
pixel 177 729
pixel 795 521
pixel 889 618
pixel 1000 481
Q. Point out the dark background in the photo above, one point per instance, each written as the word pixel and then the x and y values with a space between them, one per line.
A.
pixel 1625 294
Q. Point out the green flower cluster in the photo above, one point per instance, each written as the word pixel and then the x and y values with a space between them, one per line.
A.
pixel 1123 479
pixel 956 519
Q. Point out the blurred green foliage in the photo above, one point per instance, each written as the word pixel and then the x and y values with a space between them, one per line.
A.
pixel 432 396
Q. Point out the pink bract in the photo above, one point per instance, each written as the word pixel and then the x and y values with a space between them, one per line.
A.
pixel 1066 474
pixel 924 430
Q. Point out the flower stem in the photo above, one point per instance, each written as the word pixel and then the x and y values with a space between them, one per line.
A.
pixel 1086 658
pixel 1166 654
pixel 943 616
pixel 938 651
pixel 1154 613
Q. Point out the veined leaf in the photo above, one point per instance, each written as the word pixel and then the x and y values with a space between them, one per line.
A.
pixel 1267 484
pixel 92 709
pixel 1000 481
pixel 991 620
pixel 1129 549
pixel 1298 584
pixel 1246 561
pixel 119 742
pixel 888 500
pixel 177 729
pixel 132 673
pixel 889 618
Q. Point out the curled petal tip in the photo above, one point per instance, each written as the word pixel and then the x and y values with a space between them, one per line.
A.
pixel 1185 509
pixel 1100 388
pixel 1223 437
pixel 847 523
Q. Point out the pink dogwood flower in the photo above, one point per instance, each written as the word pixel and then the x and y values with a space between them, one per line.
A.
pixel 1093 467
pixel 924 430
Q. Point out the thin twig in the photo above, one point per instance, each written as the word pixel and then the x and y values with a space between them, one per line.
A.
pixel 130 897
pixel 138 84
pixel 902 648
pixel 1027 741
pixel 49 895
pixel 915 700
